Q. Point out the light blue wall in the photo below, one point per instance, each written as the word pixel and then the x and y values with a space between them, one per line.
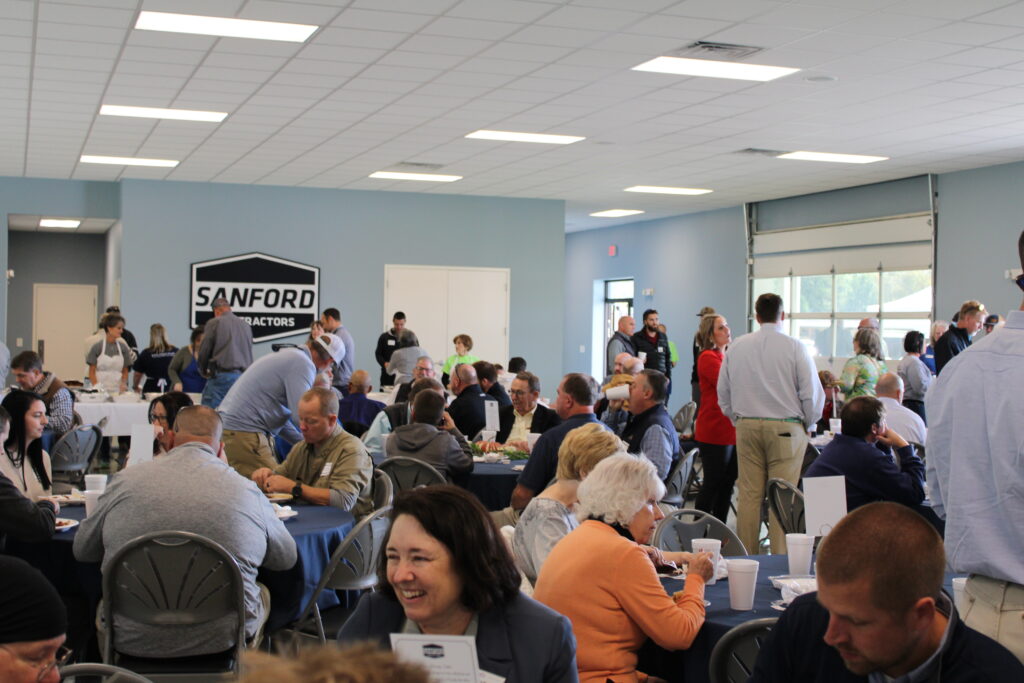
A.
pixel 690 261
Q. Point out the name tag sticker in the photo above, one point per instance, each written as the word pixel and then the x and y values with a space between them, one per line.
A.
pixel 326 471
pixel 661 349
pixel 391 342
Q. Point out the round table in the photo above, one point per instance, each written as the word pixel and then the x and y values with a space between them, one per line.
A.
pixel 493 483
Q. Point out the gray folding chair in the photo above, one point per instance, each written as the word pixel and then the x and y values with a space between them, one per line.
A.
pixel 106 672
pixel 787 502
pixel 383 490
pixel 180 578
pixel 735 653
pixel 410 473
pixel 683 419
pixel 919 449
pixel 353 567
pixel 73 454
pixel 677 482
pixel 677 531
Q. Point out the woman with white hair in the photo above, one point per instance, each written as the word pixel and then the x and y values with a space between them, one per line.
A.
pixel 601 578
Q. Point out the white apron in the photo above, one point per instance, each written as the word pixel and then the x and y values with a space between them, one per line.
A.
pixel 108 369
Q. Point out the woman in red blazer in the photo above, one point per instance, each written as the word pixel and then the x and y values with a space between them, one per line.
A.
pixel 714 432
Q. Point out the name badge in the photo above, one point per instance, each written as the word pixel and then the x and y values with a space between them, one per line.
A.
pixel 661 349
pixel 391 342
pixel 326 471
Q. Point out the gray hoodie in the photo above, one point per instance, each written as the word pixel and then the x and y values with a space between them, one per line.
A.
pixel 448 452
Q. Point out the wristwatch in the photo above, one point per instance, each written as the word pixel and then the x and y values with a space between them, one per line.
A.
pixel 297 490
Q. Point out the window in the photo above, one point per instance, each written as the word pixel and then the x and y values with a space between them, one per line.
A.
pixel 618 301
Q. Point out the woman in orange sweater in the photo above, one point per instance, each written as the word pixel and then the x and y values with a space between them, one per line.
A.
pixel 603 580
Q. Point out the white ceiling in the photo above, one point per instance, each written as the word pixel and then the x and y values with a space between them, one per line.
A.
pixel 938 85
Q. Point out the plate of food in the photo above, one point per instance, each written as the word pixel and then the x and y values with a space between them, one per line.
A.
pixel 63 524
pixel 278 497
pixel 73 498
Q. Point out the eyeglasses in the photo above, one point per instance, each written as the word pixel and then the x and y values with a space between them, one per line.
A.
pixel 519 392
pixel 61 658
pixel 153 417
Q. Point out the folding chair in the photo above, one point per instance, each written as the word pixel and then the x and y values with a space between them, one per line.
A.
pixel 410 473
pixel 683 419
pixel 677 482
pixel 677 531
pixel 383 489
pixel 787 502
pixel 103 671
pixel 74 453
pixel 735 653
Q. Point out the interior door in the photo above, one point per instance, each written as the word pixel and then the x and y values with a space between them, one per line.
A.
pixel 421 292
pixel 478 306
pixel 62 316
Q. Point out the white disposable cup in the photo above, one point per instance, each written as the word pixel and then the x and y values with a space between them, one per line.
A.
pixel 800 547
pixel 531 439
pixel 959 596
pixel 713 546
pixel 742 580
pixel 835 425
pixel 96 482
pixel 619 393
pixel 91 501
pixel 492 457
pixel 488 434
pixel 642 356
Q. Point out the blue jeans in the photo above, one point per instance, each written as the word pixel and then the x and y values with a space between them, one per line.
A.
pixel 217 388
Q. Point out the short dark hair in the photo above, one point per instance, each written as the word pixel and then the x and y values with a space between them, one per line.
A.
pixel 427 408
pixel 172 401
pixel 480 556
pixel 531 379
pixel 422 384
pixel 398 316
pixel 913 342
pixel 658 383
pixel 516 364
pixel 332 313
pixel 465 340
pixel 768 307
pixel 890 545
pixel 5 418
pixel 112 320
pixel 485 370
pixel 582 389
pixel 27 360
pixel 649 311
pixel 196 331
pixel 860 414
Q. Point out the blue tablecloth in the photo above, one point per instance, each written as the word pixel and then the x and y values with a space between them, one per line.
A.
pixel 493 483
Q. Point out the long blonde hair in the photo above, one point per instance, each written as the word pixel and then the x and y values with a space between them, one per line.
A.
pixel 158 339
pixel 706 331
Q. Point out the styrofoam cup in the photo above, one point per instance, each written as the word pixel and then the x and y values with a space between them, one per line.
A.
pixel 619 393
pixel 96 482
pixel 91 501
pixel 959 594
pixel 487 434
pixel 642 356
pixel 835 425
pixel 713 546
pixel 800 547
pixel 742 580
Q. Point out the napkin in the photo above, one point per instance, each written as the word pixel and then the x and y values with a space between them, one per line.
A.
pixel 792 588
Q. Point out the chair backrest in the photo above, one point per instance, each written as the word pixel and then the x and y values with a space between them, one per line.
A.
pixel 74 452
pixel 115 673
pixel 919 449
pixel 787 503
pixel 356 429
pixel 811 454
pixel 678 476
pixel 383 489
pixel 734 655
pixel 169 578
pixel 683 419
pixel 410 473
pixel 679 528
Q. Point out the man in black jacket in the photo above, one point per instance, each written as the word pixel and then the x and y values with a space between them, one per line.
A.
pixel 653 342
pixel 468 409
pixel 880 613
pixel 387 342
pixel 525 415
pixel 488 376
pixel 958 337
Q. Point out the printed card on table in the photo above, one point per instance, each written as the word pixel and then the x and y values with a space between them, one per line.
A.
pixel 824 503
pixel 449 659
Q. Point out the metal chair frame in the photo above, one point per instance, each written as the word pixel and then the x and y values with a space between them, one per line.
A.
pixel 787 503
pixel 735 653
pixel 410 473
pixel 383 489
pixel 74 453
pixel 115 673
pixel 678 481
pixel 683 419
pixel 675 533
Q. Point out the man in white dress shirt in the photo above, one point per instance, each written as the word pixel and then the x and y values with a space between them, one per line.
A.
pixel 769 388
pixel 901 420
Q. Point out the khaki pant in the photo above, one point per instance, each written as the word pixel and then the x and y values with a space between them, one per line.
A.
pixel 248 451
pixel 766 449
pixel 505 517
pixel 996 609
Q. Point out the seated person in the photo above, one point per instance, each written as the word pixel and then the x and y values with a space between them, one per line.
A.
pixel 21 518
pixel 525 415
pixel 424 368
pixel 880 613
pixel 27 367
pixel 446 570
pixel 601 578
pixel 469 407
pixel 33 622
pixel 487 373
pixel 552 514
pixel 833 404
pixel 24 462
pixel 863 453
pixel 901 419
pixel 192 488
pixel 648 429
pixel 393 417
pixel 329 466
pixel 162 412
pixel 357 406
pixel 446 449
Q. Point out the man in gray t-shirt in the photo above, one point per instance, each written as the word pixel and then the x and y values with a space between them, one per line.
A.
pixel 225 352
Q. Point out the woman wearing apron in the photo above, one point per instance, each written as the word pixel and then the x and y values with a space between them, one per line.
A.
pixel 110 358
pixel 184 368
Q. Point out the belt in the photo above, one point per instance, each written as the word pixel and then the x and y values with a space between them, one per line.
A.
pixel 1009 595
pixel 794 420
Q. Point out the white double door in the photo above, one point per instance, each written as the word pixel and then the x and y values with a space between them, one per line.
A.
pixel 62 317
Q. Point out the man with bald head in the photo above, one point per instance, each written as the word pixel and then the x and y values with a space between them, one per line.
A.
pixel 191 488
pixel 902 420
pixel 357 406
pixel 620 342
pixel 468 409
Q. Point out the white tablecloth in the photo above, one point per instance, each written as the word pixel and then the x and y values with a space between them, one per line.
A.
pixel 120 416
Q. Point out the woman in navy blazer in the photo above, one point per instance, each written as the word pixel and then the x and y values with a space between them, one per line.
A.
pixel 445 569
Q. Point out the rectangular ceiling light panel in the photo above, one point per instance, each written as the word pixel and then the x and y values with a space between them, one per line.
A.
pixel 224 26
pixel 127 161
pixel 429 177
pixel 655 189
pixel 510 136
pixel 835 158
pixel 59 223
pixel 159 113
pixel 710 68
pixel 616 213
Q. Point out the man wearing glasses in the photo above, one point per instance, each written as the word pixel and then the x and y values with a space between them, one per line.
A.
pixel 32 625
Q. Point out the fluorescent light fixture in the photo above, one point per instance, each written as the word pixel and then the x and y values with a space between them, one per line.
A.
pixel 59 223
pixel 655 189
pixel 616 213
pixel 224 26
pixel 431 177
pixel 510 136
pixel 159 113
pixel 127 161
pixel 837 158
pixel 710 68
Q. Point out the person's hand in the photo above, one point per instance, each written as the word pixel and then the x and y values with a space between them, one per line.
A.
pixel 261 475
pixel 177 387
pixel 123 387
pixel 616 405
pixel 276 483
pixel 447 423
pixel 702 566
pixel 489 446
pixel 655 555
pixel 518 445
pixel 892 439
pixel 54 503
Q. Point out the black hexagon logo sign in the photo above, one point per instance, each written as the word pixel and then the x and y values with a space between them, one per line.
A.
pixel 278 297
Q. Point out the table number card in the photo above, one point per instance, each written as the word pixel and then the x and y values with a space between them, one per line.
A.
pixel 824 503
pixel 448 659
pixel 491 413
pixel 142 444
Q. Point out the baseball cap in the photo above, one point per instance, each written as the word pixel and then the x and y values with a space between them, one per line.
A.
pixel 333 345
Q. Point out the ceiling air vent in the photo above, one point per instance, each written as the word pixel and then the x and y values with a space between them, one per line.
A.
pixel 761 152
pixel 415 166
pixel 722 52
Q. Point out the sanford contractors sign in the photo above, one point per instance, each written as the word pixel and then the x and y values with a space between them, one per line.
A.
pixel 278 297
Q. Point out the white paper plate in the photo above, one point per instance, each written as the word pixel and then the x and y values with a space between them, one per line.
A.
pixel 63 524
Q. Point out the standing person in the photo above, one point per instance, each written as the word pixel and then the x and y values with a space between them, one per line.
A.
pixel 769 388
pixel 29 375
pixel 110 358
pixel 957 338
pixel 697 350
pixel 620 342
pixel 154 361
pixel 975 476
pixel 387 343
pixel 938 329
pixel 225 352
pixel 184 368
pixel 405 357
pixel 654 343
pixel 463 345
pixel 914 373
pixel 126 334
pixel 343 369
pixel 715 434
pixel 861 373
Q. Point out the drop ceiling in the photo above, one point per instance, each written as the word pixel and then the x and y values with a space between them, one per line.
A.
pixel 937 85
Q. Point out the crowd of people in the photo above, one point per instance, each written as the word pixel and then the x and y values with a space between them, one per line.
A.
pixel 561 584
